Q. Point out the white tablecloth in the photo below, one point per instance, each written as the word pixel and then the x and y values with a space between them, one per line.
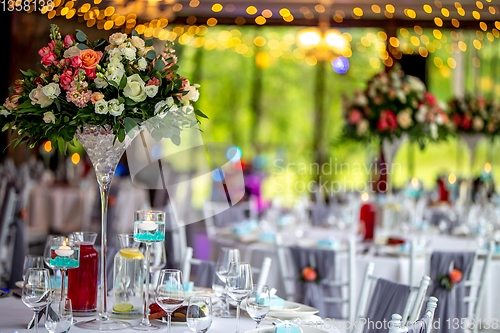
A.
pixel 388 267
pixel 14 317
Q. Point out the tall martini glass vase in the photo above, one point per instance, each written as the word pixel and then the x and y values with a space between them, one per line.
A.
pixel 471 140
pixel 104 152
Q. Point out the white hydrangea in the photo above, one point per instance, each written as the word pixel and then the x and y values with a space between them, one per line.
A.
pixel 115 108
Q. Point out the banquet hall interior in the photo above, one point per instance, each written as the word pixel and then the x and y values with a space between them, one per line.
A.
pixel 250 166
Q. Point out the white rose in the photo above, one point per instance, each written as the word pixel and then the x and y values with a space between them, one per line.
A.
pixel 421 113
pixel 129 53
pixel 362 127
pixel 100 83
pixel 115 108
pixel 4 112
pixel 116 76
pixel 434 131
pixel 192 95
pixel 101 107
pixel 142 63
pixel 151 90
pixel 137 42
pixel 52 90
pixel 478 123
pixel 135 88
pixel 73 51
pixel 49 117
pixel 38 97
pixel 170 101
pixel 117 38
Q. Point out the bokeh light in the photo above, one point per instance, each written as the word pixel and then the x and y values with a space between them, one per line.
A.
pixel 340 65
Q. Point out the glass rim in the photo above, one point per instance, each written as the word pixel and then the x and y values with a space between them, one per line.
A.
pixel 200 297
pixel 84 233
pixel 170 270
pixel 36 269
pixel 33 256
pixel 154 215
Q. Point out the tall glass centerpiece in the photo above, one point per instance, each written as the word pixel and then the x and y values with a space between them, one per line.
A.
pixel 149 228
pixel 64 254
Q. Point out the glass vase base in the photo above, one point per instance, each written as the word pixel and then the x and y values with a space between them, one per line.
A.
pixel 146 327
pixel 103 325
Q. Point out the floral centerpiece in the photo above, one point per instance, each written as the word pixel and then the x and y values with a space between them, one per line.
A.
pixel 392 105
pixel 120 83
pixel 474 115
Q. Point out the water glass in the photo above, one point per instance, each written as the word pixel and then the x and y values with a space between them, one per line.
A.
pixel 239 285
pixel 170 292
pixel 59 316
pixel 37 291
pixel 226 257
pixel 258 303
pixel 199 313
pixel 31 262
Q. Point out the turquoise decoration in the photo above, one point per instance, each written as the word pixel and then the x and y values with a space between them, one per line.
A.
pixel 328 243
pixel 267 236
pixel 287 327
pixel 147 237
pixel 188 286
pixel 245 227
pixel 276 303
pixel 64 262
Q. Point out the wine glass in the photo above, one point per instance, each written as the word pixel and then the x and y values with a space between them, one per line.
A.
pixel 37 291
pixel 59 317
pixel 199 313
pixel 226 257
pixel 239 285
pixel 258 303
pixel 170 292
pixel 31 262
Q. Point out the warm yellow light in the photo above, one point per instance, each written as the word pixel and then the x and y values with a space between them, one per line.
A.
pixel 445 12
pixel 251 10
pixel 452 63
pixel 438 62
pixel 260 20
pixel 334 39
pixel 47 146
pixel 427 9
pixel 479 4
pixel 365 196
pixel 452 178
pixel 211 21
pixel 390 8
pixel 284 12
pixel 309 38
pixel 75 158
pixel 375 9
pixel 487 168
pixel 358 11
pixel 438 21
pixel 461 11
pixel 217 7
pixel 476 15
pixel 267 13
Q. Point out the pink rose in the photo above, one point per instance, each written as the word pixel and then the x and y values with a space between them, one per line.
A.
pixel 431 99
pixel 44 51
pixel 52 45
pixel 90 73
pixel 66 80
pixel 49 58
pixel 354 116
pixel 76 62
pixel 68 40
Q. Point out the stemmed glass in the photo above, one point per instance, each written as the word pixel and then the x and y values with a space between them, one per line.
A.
pixel 226 257
pixel 258 303
pixel 170 292
pixel 199 313
pixel 239 285
pixel 31 262
pixel 59 318
pixel 64 254
pixel 149 228
pixel 37 291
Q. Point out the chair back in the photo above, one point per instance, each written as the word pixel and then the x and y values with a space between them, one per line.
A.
pixel 8 230
pixel 423 325
pixel 220 214
pixel 288 274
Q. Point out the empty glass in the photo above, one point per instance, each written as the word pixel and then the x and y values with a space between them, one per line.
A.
pixel 239 285
pixel 258 303
pixel 59 318
pixel 37 291
pixel 199 313
pixel 226 257
pixel 31 262
pixel 170 292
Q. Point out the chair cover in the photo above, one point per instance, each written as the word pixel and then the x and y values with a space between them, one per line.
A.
pixel 420 326
pixel 388 297
pixel 16 273
pixel 205 274
pixel 312 293
pixel 231 216
pixel 451 303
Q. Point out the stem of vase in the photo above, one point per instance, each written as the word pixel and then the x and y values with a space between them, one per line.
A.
pixel 104 189
pixel 63 284
pixel 145 319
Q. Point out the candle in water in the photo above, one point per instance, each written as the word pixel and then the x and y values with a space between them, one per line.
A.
pixel 148 226
pixel 64 251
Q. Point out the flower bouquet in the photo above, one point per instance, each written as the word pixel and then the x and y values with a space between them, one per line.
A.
pixel 474 115
pixel 448 281
pixel 104 94
pixel 117 84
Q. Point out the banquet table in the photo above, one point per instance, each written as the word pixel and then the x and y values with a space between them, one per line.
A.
pixel 392 267
pixel 14 316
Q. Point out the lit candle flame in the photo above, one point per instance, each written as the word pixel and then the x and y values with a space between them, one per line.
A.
pixel 365 196
pixel 414 182
pixel 452 178
pixel 487 168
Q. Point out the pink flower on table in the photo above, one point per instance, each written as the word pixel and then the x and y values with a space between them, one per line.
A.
pixel 354 116
pixel 44 51
pixel 387 121
pixel 80 99
pixel 466 122
pixel 431 99
pixel 49 58
pixel 97 96
pixel 153 82
pixel 90 73
pixel 76 62
pixel 69 40
pixel 52 45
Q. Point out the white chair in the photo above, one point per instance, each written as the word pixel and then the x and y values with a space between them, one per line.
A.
pixel 413 304
pixel 396 325
pixel 189 261
pixel 289 278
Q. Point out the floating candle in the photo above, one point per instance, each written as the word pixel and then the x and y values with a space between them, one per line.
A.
pixel 64 251
pixel 148 226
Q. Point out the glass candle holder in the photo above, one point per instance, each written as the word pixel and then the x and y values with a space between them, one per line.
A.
pixel 64 254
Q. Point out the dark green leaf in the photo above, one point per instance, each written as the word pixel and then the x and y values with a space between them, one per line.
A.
pixel 135 33
pixel 123 82
pixel 121 135
pixel 33 73
pixel 176 140
pixel 151 55
pixel 58 105
pixel 82 46
pixel 201 114
pixel 80 36
pixel 60 145
pixel 40 65
pixel 24 73
pixel 11 89
pixel 5 127
pixel 148 43
pixel 159 65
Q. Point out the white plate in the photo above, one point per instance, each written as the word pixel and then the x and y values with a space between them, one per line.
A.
pixel 287 306
pixel 271 330
pixel 302 312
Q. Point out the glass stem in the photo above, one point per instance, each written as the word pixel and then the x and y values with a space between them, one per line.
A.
pixel 226 302
pixel 145 319
pixel 104 189
pixel 169 320
pixel 238 318
pixel 63 283
pixel 36 321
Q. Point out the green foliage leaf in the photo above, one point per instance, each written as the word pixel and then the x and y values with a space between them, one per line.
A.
pixel 151 55
pixel 135 33
pixel 81 36
pixel 123 82
pixel 176 140
pixel 82 46
pixel 61 145
pixel 121 135
pixel 11 89
pixel 159 65
pixel 148 43
pixel 41 66
pixel 200 114
pixel 58 105
pixel 33 73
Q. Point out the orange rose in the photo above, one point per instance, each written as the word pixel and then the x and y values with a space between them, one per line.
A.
pixel 90 58
pixel 96 96
pixel 455 276
pixel 309 274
